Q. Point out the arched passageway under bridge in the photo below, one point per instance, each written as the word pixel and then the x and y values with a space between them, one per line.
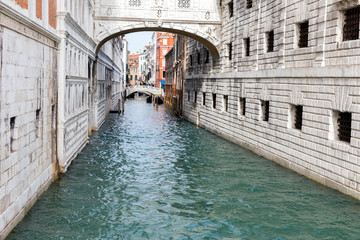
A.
pixel 197 19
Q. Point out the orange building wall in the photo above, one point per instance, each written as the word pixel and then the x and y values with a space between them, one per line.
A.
pixel 160 54
pixel 22 3
pixel 52 13
pixel 39 9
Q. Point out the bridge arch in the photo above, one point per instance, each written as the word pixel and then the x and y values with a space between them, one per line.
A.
pixel 201 36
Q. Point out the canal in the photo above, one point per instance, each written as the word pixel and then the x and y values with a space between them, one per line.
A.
pixel 149 175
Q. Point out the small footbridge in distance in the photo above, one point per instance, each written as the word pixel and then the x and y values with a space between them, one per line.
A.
pixel 149 90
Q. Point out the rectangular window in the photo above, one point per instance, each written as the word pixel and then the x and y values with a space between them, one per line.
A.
pixel 230 51
pixel 351 24
pixel 191 60
pixel 207 58
pixel 12 130
pixel 164 74
pixel 136 78
pixel 247 47
pixel 344 126
pixel 204 99
pixel 131 77
pixel 37 123
pixel 231 9
pixel 303 34
pixel 270 41
pixel 248 3
pixel 198 58
pixel 296 116
pixel 265 109
pixel 214 100
pixel 242 106
pixel 195 96
pixel 225 102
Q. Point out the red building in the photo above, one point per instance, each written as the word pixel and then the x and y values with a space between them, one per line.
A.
pixel 164 42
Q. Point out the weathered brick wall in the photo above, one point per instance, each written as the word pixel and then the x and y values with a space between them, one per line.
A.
pixel 323 78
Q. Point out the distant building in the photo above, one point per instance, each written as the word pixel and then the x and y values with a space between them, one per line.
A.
pixel 164 42
pixel 175 69
pixel 125 62
pixel 134 69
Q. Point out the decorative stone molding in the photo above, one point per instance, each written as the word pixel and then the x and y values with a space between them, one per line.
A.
pixel 296 95
pixel 342 100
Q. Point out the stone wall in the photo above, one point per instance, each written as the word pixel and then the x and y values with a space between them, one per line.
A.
pixel 296 98
pixel 28 83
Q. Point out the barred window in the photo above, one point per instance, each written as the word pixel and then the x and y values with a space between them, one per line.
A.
pixel 265 110
pixel 270 41
pixel 231 9
pixel 183 3
pixel 242 106
pixel 351 24
pixel 225 102
pixel 303 34
pixel 230 51
pixel 134 3
pixel 344 126
pixel 214 100
pixel 296 116
pixel 248 3
pixel 247 47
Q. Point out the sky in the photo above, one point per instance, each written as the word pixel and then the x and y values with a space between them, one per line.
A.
pixel 137 41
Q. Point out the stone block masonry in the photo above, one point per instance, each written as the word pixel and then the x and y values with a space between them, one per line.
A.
pixel 287 86
pixel 28 76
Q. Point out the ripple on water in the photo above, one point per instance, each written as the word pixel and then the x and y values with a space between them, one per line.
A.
pixel 148 175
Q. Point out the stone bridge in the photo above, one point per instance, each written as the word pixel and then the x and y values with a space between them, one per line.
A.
pixel 143 89
pixel 198 19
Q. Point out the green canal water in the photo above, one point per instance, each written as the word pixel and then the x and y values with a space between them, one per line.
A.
pixel 149 175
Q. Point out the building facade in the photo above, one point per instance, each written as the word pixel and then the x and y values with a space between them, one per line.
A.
pixel 56 90
pixel 175 74
pixel 285 86
pixel 134 69
pixel 164 42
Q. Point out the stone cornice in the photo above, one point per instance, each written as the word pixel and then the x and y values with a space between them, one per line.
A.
pixel 352 71
pixel 21 19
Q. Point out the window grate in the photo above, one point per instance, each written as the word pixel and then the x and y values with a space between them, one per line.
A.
pixel 352 22
pixel 304 34
pixel 270 42
pixel 231 9
pixel 214 100
pixel 230 51
pixel 243 106
pixel 266 109
pixel 134 3
pixel 298 117
pixel 248 3
pixel 247 46
pixel 226 100
pixel 344 126
pixel 184 3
